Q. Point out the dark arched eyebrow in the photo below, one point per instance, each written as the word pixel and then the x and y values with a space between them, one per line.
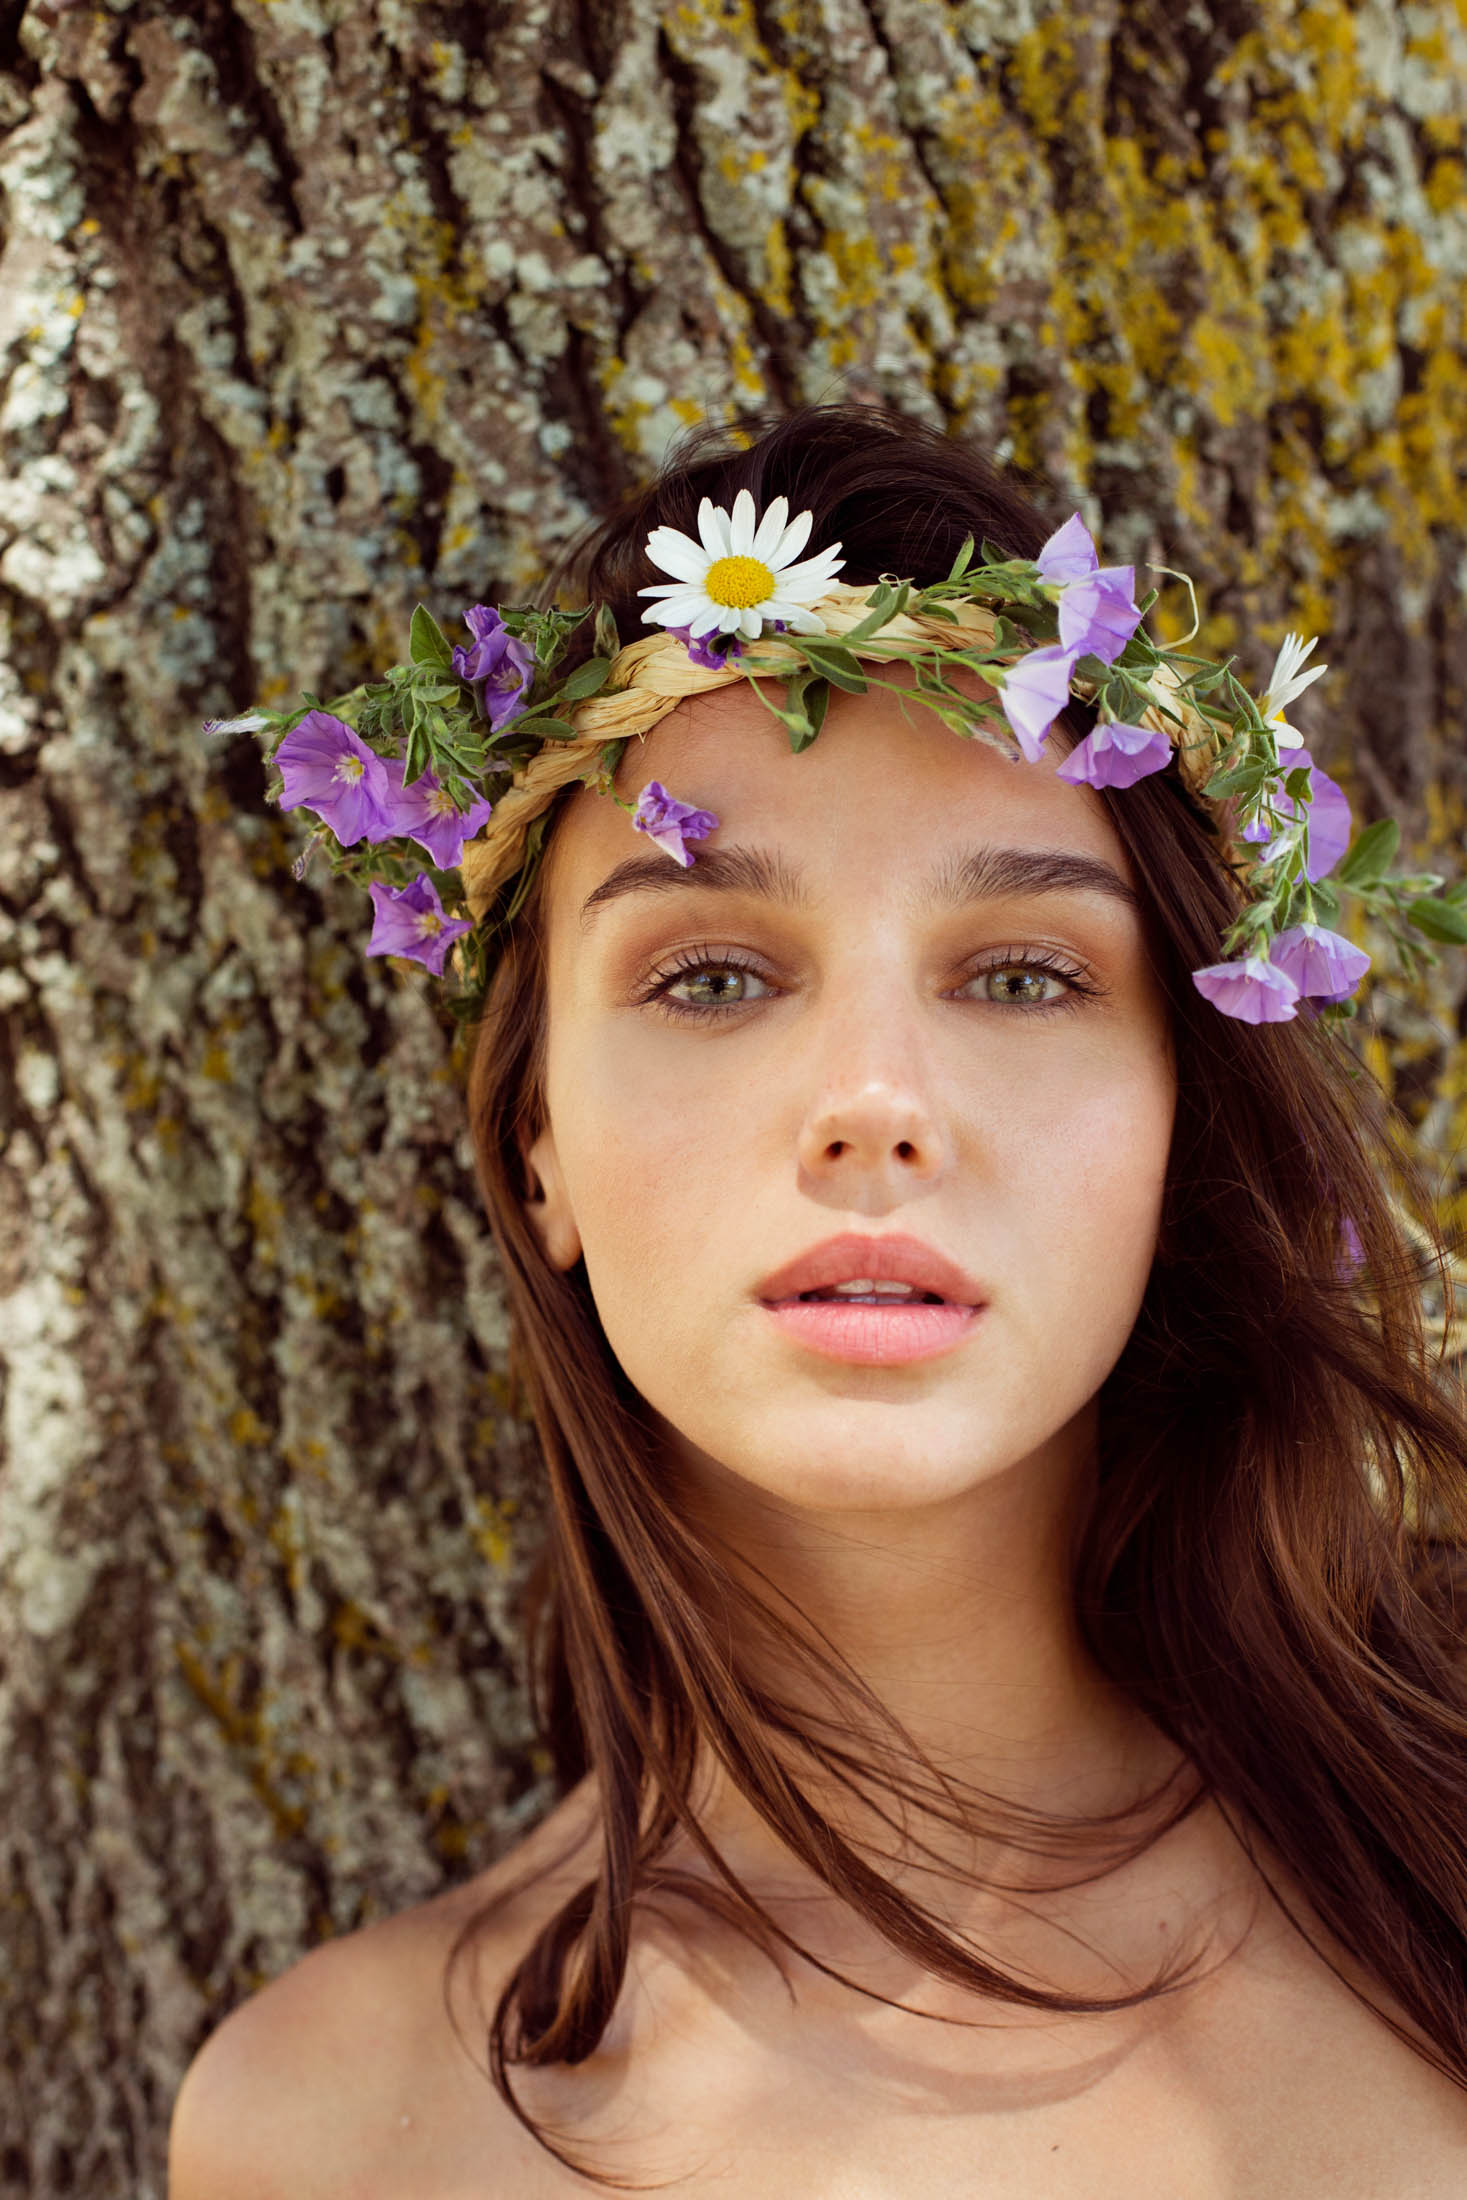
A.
pixel 714 871
pixel 980 874
pixel 994 874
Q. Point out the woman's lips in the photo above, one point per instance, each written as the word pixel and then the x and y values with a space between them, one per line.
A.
pixel 854 1329
pixel 873 1336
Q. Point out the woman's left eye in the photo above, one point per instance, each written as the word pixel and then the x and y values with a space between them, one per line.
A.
pixel 1024 981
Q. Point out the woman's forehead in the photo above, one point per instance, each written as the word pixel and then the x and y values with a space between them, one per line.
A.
pixel 884 782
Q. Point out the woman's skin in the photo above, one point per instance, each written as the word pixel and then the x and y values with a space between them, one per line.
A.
pixel 875 1079
pixel 921 1513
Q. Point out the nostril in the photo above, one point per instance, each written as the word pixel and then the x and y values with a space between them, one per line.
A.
pixel 906 1151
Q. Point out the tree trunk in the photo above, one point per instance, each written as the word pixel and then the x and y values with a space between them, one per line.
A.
pixel 307 311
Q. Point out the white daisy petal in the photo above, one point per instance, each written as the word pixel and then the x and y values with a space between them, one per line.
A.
pixel 810 579
pixel 706 622
pixel 751 622
pixel 741 528
pixel 677 611
pixel 677 554
pixel 1300 681
pixel 1286 680
pixel 767 536
pixel 798 618
pixel 713 529
pixel 671 588
pixel 793 540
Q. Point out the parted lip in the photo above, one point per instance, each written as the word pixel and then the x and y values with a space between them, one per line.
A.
pixel 884 1259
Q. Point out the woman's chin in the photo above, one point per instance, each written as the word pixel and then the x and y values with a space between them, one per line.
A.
pixel 819 1462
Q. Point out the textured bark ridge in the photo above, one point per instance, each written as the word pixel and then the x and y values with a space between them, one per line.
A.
pixel 308 310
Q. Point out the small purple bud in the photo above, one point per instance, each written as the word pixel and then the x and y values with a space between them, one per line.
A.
pixel 1033 693
pixel 1115 755
pixel 671 823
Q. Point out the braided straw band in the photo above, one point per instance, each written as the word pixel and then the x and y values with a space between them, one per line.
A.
pixel 650 677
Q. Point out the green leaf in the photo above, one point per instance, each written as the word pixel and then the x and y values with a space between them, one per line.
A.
pixel 1243 779
pixel 1370 856
pixel 964 559
pixel 817 700
pixel 802 714
pixel 1439 920
pixel 555 729
pixel 834 663
pixel 587 679
pixel 427 642
pixel 1326 901
pixel 885 604
pixel 608 641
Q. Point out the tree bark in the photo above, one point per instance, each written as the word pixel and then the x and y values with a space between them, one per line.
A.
pixel 310 310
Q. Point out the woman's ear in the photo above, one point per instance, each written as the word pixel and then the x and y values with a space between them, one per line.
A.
pixel 548 1206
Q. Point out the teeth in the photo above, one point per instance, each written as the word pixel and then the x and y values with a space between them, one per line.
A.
pixel 864 1286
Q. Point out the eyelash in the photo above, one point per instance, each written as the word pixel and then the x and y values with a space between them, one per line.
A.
pixel 656 993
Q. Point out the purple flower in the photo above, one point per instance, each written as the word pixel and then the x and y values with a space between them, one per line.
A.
pixel 1033 693
pixel 329 769
pixel 1069 554
pixel 699 652
pixel 425 814
pixel 1098 613
pixel 498 667
pixel 410 921
pixel 1253 990
pixel 1115 755
pixel 1323 965
pixel 1329 816
pixel 669 822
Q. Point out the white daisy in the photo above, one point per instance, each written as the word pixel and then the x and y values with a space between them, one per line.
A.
pixel 738 577
pixel 1284 683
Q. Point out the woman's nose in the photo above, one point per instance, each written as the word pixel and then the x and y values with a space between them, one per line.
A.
pixel 873 1122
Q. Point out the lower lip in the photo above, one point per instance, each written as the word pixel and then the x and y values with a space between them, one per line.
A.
pixel 873 1336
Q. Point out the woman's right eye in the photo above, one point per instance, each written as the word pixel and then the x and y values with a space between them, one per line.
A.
pixel 708 985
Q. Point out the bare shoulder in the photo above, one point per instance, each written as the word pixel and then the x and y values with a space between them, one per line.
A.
pixel 333 2080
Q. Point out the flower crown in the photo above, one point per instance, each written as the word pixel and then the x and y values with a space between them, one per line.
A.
pixel 461 752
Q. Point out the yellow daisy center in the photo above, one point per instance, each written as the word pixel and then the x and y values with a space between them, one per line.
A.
pixel 738 583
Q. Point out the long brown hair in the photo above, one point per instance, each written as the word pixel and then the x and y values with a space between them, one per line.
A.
pixel 1268 1570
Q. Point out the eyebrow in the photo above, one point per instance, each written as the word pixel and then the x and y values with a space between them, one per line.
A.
pixel 980 874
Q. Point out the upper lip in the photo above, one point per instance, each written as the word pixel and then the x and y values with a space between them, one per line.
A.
pixel 884 1259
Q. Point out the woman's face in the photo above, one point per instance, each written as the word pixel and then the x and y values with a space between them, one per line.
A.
pixel 901 994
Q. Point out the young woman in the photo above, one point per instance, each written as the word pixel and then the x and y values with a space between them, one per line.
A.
pixel 999 1638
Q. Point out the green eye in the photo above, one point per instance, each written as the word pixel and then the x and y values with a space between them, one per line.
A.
pixel 1021 982
pixel 714 985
